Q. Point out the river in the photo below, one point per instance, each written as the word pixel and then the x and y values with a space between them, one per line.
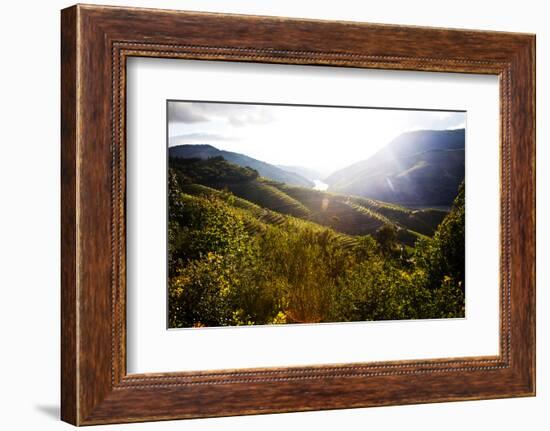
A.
pixel 319 185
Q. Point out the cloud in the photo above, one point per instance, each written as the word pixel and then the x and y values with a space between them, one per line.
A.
pixel 184 113
pixel 197 138
pixel 438 120
pixel 258 116
pixel 455 120
pixel 238 115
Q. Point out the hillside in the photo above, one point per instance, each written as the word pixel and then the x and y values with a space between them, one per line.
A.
pixel 264 169
pixel 419 169
pixel 233 261
pixel 218 173
pixel 347 215
pixel 360 216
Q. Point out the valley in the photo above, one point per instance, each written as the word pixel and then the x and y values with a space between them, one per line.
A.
pixel 251 243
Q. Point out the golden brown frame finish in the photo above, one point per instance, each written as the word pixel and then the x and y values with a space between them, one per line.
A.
pixel 95 43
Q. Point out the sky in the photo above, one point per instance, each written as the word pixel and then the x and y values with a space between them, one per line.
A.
pixel 321 138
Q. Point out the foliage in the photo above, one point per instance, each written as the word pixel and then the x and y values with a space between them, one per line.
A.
pixel 212 171
pixel 444 254
pixel 233 262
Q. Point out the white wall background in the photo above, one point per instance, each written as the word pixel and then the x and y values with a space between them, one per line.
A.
pixel 29 215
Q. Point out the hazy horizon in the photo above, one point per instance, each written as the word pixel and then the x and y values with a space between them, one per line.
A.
pixel 290 134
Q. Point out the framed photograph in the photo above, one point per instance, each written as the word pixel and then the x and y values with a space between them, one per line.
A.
pixel 324 214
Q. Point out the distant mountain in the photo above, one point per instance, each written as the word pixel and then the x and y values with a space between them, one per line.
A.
pixel 266 170
pixel 420 168
pixel 310 174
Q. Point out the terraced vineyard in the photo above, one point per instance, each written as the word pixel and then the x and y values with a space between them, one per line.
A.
pixel 361 216
pixel 256 218
pixel 266 195
pixel 271 202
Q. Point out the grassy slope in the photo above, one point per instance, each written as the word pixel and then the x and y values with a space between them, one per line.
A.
pixel 334 210
pixel 264 194
pixel 356 215
pixel 266 202
pixel 257 218
pixel 423 221
pixel 271 202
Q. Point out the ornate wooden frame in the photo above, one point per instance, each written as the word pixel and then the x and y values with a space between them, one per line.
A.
pixel 95 42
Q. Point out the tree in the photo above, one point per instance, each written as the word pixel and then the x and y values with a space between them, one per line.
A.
pixel 386 237
pixel 444 255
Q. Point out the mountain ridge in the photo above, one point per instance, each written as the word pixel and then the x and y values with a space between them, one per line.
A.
pixel 267 170
pixel 419 168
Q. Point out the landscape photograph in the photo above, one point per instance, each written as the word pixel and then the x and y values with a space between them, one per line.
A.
pixel 305 214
